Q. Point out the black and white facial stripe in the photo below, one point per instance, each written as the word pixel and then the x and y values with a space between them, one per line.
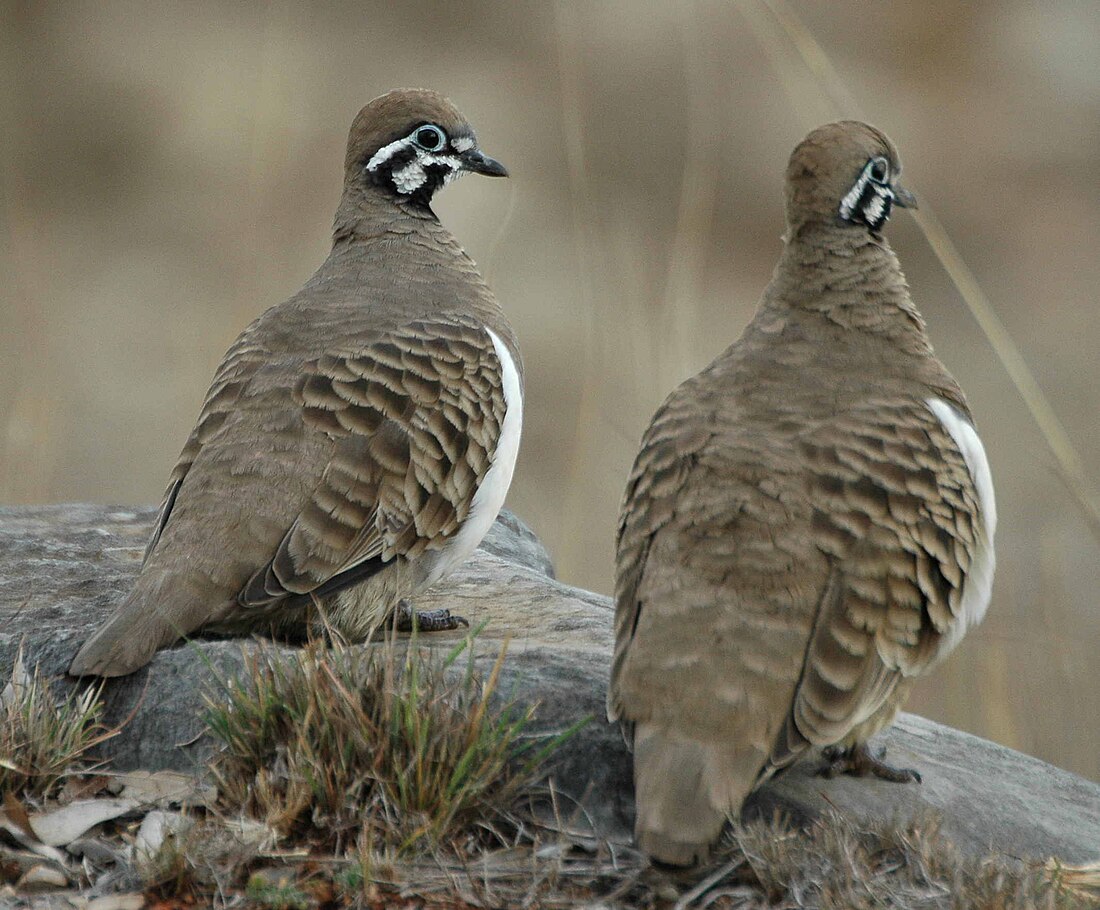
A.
pixel 871 197
pixel 420 163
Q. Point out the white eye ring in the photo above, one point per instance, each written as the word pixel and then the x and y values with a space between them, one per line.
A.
pixel 429 137
pixel 879 169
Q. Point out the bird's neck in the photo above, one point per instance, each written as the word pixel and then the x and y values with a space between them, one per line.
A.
pixel 426 271
pixel 365 214
pixel 850 278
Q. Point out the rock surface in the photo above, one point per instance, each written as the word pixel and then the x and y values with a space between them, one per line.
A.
pixel 62 568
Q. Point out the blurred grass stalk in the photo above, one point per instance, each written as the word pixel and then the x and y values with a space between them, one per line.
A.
pixel 28 410
pixel 664 305
pixel 840 100
pixel 570 547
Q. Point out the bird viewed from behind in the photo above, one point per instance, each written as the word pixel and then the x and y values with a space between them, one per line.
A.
pixel 808 526
pixel 358 440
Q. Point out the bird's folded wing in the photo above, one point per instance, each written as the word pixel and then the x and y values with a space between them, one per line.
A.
pixel 237 368
pixel 897 512
pixel 415 417
pixel 661 468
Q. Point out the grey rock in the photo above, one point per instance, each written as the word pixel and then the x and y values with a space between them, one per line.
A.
pixel 991 799
pixel 62 569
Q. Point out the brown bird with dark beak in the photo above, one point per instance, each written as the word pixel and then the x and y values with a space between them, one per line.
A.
pixel 808 528
pixel 358 440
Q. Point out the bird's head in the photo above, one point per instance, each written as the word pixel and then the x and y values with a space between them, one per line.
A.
pixel 410 142
pixel 845 173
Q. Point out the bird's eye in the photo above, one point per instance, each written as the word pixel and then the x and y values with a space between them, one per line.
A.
pixel 880 170
pixel 430 138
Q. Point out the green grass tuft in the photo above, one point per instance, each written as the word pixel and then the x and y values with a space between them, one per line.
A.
pixel 395 747
pixel 276 895
pixel 42 736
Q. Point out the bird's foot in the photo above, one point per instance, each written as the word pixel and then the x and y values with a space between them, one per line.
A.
pixel 407 619
pixel 860 761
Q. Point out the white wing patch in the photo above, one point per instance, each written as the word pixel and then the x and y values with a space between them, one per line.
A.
pixel 489 496
pixel 978 586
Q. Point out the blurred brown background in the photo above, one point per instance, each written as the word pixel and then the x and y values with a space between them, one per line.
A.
pixel 169 170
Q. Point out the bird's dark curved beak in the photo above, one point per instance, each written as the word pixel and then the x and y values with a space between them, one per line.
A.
pixel 903 198
pixel 478 162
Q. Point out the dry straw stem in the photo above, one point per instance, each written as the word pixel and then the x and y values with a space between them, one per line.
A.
pixel 42 736
pixel 204 856
pixel 1070 465
pixel 836 864
pixel 831 864
pixel 1079 881
pixel 383 742
pixel 587 250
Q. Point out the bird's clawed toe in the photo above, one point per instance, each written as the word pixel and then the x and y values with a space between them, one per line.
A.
pixel 407 619
pixel 861 761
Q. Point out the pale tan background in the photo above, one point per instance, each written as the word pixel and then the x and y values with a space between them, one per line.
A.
pixel 168 170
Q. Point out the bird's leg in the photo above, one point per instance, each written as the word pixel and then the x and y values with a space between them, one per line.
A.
pixel 406 618
pixel 860 761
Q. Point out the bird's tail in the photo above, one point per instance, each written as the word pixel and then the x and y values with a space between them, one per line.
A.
pixel 684 792
pixel 153 615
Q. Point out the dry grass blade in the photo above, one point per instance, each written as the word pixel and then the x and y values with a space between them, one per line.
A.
pixel 837 863
pixel 1054 432
pixel 689 898
pixel 1070 466
pixel 1080 881
pixel 43 736
pixel 199 856
pixel 342 741
pixel 585 229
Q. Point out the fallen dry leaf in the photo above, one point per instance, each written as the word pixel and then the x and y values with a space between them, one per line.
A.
pixel 14 820
pixel 117 902
pixel 103 851
pixel 252 833
pixel 62 826
pixel 16 814
pixel 155 827
pixel 13 863
pixel 42 878
pixel 164 788
pixel 20 678
pixel 80 787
